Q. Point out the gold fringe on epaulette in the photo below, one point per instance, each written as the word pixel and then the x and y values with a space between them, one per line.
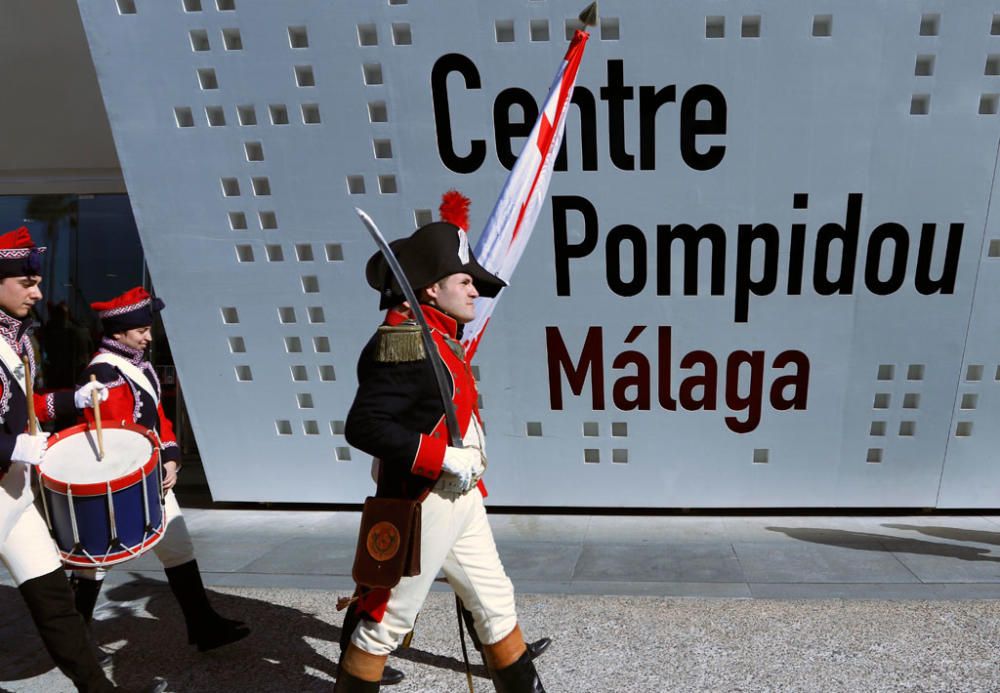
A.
pixel 398 344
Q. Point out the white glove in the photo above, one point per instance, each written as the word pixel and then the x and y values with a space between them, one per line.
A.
pixel 30 449
pixel 460 463
pixel 83 398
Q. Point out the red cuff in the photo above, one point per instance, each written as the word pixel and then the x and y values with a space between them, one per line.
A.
pixel 429 457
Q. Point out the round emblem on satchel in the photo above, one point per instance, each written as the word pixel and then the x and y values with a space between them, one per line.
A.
pixel 383 541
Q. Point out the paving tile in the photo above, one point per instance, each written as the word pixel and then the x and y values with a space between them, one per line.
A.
pixel 710 562
pixel 802 561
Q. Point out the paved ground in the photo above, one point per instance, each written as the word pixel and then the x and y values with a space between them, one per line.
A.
pixel 686 603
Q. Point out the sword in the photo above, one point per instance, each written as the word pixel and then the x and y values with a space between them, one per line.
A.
pixel 440 374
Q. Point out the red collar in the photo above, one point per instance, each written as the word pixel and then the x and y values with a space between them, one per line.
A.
pixel 434 317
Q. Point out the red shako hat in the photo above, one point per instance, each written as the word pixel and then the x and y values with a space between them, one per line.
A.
pixel 134 308
pixel 19 256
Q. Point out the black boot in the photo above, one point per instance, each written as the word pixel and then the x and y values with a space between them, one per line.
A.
pixel 537 649
pixel 50 601
pixel 85 592
pixel 205 628
pixel 348 683
pixel 519 677
pixel 390 675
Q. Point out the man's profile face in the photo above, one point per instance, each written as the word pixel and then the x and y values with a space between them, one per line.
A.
pixel 136 338
pixel 454 295
pixel 19 294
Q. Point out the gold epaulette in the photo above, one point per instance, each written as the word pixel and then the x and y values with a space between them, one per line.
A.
pixel 399 343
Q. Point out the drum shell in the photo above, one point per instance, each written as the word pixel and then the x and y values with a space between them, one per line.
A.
pixel 91 503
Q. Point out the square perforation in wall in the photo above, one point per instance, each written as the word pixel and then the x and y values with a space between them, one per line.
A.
pixel 367 35
pixel 286 315
pixel 750 26
pixel 715 27
pixel 401 34
pixel 310 284
pixel 989 104
pixel 974 373
pixel 992 68
pixel 336 428
pixel 238 221
pixel 247 115
pixel 382 148
pixel 184 117
pixel 268 220
pixel 298 37
pixel 920 104
pixel 970 400
pixel 538 30
pixel 232 39
pixel 907 428
pixel 503 30
pixel 191 5
pixel 571 26
pixel 619 455
pixel 261 186
pixel 215 116
pixel 378 112
pixel 225 5
pixel 995 25
pixel 915 371
pixel 321 345
pixel 310 428
pixel 387 185
pixel 619 429
pixel 230 316
pixel 877 429
pixel 882 400
pixel 372 74
pixel 591 456
pixel 963 429
pixel 993 250
pixel 356 185
pixel 278 113
pixel 316 315
pixel 207 79
pixel 237 345
pixel 283 427
pixel 591 429
pixel 304 252
pixel 930 24
pixel 304 76
pixel 822 25
pixel 310 113
pixel 886 371
pixel 996 375
pixel 230 187
pixel 924 66
pixel 199 40
pixel 911 400
pixel 275 254
pixel 343 454
pixel 254 151
pixel 299 373
pixel 422 217
pixel 533 429
pixel 244 374
pixel 334 252
pixel 327 374
pixel 610 31
pixel 874 456
pixel 293 345
pixel 304 400
pixel 244 253
pixel 126 6
pixel 761 455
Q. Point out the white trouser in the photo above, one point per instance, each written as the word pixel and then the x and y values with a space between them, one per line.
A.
pixel 456 538
pixel 175 548
pixel 29 551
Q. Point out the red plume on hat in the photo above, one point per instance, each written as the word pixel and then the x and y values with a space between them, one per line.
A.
pixel 455 209
pixel 19 238
pixel 131 298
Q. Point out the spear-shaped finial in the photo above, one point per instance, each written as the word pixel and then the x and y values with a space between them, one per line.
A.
pixel 589 15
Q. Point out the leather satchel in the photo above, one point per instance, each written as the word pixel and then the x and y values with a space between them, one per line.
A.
pixel 388 542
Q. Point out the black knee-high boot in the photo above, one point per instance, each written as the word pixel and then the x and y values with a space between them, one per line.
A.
pixel 50 601
pixel 519 677
pixel 349 683
pixel 205 627
pixel 536 649
pixel 85 593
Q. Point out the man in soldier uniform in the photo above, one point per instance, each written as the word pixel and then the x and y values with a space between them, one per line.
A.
pixel 26 547
pixel 397 417
pixel 134 389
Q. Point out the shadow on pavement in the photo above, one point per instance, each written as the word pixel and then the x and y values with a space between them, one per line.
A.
pixel 954 533
pixel 864 541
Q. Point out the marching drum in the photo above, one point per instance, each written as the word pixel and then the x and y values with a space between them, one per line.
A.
pixel 103 511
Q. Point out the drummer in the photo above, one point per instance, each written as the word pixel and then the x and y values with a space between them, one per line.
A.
pixel 25 545
pixel 121 364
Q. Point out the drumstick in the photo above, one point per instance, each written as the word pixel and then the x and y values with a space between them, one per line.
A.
pixel 97 420
pixel 29 390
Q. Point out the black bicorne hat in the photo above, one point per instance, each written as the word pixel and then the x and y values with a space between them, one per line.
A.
pixel 430 253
